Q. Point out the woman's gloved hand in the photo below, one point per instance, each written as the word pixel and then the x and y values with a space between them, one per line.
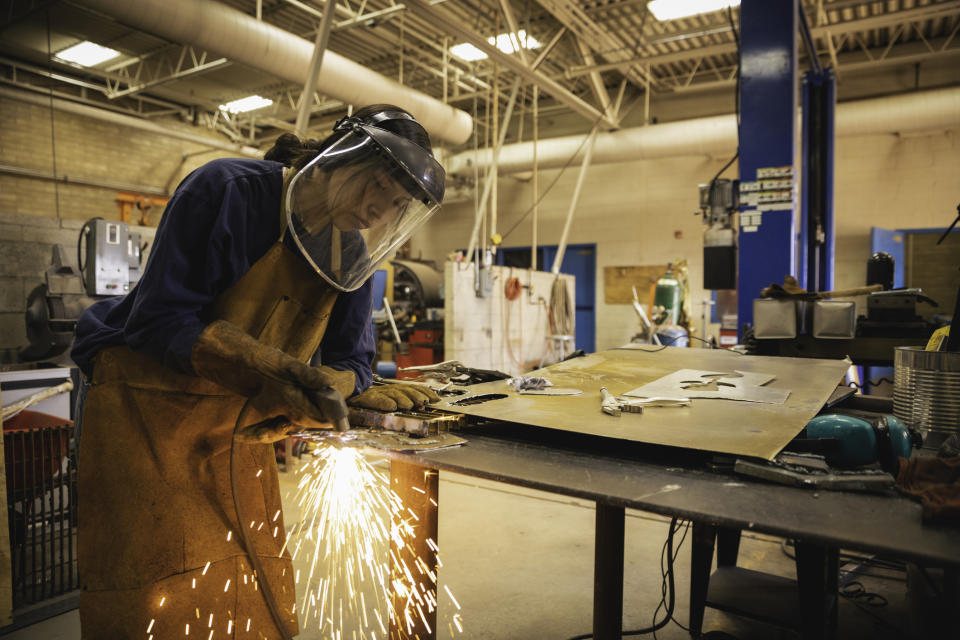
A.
pixel 277 384
pixel 393 397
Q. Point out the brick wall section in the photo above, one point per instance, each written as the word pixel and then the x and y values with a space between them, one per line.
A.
pixel 86 148
pixel 35 214
pixel 26 244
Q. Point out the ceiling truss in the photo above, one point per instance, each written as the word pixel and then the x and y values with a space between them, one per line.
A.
pixel 595 55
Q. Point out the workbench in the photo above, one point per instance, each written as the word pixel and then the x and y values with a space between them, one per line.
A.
pixel 617 475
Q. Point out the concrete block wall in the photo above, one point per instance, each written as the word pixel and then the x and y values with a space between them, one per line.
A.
pixel 26 245
pixel 641 213
pixel 493 332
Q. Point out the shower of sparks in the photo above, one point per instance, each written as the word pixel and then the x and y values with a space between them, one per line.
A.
pixel 354 528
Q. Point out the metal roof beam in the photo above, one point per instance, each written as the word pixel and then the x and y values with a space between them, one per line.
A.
pixel 940 10
pixel 446 22
pixel 607 45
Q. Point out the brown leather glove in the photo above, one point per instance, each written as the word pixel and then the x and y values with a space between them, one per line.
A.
pixel 391 397
pixel 277 384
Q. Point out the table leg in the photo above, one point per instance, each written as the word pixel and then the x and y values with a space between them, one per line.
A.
pixel 418 488
pixel 608 573
pixel 701 561
pixel 728 547
pixel 817 576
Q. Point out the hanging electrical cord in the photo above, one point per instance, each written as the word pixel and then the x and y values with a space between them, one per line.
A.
pixel 245 541
pixel 565 166
pixel 513 288
pixel 512 291
pixel 667 587
pixel 670 341
pixel 53 135
pixel 736 98
pixel 561 308
pixel 870 383
pixel 854 591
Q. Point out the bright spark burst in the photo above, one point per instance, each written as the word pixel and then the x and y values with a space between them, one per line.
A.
pixel 354 528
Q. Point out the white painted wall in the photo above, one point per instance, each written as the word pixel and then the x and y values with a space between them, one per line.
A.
pixel 493 332
pixel 632 211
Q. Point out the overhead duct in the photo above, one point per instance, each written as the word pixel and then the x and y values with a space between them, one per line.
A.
pixel 717 135
pixel 221 29
pixel 66 106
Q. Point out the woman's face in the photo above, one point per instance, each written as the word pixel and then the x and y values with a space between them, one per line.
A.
pixel 365 197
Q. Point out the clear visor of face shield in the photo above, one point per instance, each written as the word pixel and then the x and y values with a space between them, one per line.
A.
pixel 357 201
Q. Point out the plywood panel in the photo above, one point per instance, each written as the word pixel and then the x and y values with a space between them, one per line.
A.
pixel 723 426
pixel 618 282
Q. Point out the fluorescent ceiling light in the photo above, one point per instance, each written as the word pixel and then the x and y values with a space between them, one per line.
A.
pixel 506 42
pixel 87 54
pixel 246 104
pixel 468 52
pixel 673 9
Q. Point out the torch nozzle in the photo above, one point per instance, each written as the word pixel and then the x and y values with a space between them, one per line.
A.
pixel 333 405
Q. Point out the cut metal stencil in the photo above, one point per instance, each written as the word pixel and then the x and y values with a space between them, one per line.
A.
pixel 695 383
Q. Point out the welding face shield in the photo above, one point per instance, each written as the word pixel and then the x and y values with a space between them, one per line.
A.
pixel 360 199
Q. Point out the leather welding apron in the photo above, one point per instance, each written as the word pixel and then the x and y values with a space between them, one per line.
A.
pixel 159 545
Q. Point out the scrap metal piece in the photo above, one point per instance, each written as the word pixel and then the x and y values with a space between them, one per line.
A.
pixel 455 370
pixel 383 440
pixel 420 423
pixel 480 398
pixel 528 383
pixel 837 480
pixel 693 383
pixel 551 391
pixel 610 405
pixel 653 402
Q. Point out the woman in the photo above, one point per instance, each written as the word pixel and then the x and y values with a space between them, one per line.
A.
pixel 257 267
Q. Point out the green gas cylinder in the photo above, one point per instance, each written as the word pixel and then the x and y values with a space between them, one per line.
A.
pixel 669 295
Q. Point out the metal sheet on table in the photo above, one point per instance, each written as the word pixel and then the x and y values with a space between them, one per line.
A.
pixel 722 426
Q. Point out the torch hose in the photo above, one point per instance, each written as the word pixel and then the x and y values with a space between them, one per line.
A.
pixel 245 536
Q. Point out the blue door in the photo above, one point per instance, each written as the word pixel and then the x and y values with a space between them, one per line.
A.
pixel 580 261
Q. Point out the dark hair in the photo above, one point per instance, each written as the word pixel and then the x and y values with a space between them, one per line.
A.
pixel 296 153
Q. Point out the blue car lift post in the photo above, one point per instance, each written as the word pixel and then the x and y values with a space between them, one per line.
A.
pixel 768 98
pixel 770 247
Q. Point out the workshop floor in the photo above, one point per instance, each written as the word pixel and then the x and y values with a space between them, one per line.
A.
pixel 520 563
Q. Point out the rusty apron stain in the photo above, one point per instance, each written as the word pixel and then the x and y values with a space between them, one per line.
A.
pixel 155 488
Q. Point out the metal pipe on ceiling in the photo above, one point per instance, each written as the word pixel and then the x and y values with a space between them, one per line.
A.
pixel 231 33
pixel 316 63
pixel 96 113
pixel 934 110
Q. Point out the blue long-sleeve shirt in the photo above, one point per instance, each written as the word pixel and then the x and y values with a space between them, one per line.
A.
pixel 222 218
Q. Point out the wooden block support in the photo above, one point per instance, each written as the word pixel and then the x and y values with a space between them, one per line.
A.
pixel 418 488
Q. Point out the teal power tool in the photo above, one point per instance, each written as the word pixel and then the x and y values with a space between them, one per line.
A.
pixel 850 441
